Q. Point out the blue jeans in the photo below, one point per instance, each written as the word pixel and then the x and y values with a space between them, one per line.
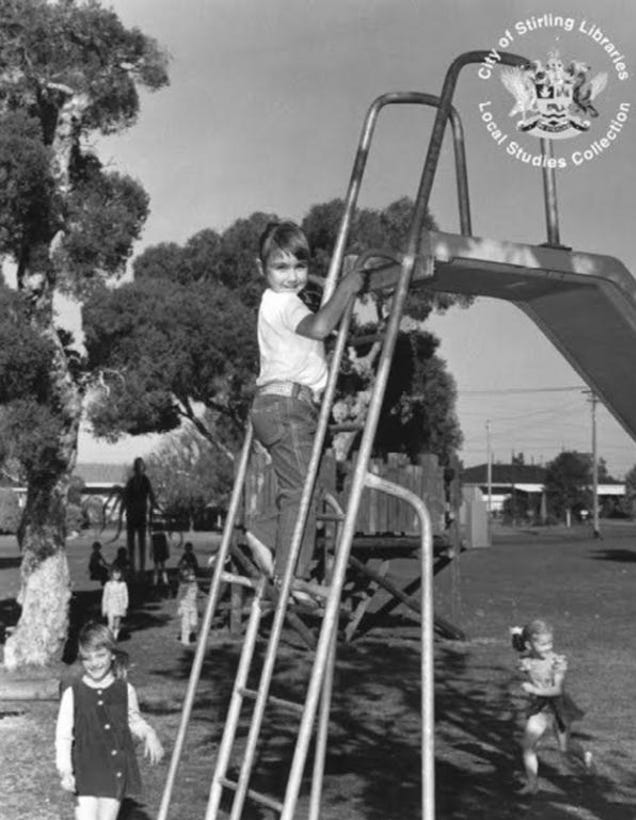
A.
pixel 286 427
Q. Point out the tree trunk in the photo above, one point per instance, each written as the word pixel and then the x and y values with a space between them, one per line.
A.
pixel 45 588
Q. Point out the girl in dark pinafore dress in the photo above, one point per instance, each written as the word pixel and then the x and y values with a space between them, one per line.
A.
pixel 549 706
pixel 98 716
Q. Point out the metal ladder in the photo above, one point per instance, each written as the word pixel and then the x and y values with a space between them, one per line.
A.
pixel 319 687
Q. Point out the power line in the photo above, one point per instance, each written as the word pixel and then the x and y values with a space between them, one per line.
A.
pixel 511 390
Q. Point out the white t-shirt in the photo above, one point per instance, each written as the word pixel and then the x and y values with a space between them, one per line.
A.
pixel 285 355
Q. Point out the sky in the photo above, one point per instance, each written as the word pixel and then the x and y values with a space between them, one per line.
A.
pixel 264 112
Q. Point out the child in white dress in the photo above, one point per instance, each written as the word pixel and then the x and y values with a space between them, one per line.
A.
pixel 187 607
pixel 115 600
pixel 549 705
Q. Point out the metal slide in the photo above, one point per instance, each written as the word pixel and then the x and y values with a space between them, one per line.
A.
pixel 584 303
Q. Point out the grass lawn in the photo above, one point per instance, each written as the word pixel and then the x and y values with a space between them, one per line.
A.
pixel 585 587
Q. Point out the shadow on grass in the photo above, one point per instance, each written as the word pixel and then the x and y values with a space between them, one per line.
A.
pixel 132 810
pixel 623 555
pixel 86 606
pixel 9 614
pixel 10 563
pixel 374 750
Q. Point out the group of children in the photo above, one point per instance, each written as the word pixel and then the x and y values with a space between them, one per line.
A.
pixel 99 716
pixel 99 713
pixel 115 598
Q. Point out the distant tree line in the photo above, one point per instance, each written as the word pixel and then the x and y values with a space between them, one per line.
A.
pixel 568 491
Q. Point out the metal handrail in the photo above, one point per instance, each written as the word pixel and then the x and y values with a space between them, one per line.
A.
pixel 360 161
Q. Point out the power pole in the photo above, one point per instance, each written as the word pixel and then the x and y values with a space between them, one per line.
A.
pixel 489 469
pixel 595 523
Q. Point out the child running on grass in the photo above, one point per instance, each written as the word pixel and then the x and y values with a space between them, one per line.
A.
pixel 293 374
pixel 549 705
pixel 98 716
pixel 115 600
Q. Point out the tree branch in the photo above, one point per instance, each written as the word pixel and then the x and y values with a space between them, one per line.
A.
pixel 196 422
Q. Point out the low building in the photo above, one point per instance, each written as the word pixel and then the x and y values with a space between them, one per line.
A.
pixel 101 479
pixel 526 479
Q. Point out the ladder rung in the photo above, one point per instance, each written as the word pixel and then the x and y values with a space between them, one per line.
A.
pixel 231 578
pixel 330 517
pixel 287 704
pixel 367 339
pixel 308 586
pixel 347 427
pixel 257 797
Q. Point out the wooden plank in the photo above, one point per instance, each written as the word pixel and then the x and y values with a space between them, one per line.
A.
pixel 236 603
pixel 363 605
pixel 25 689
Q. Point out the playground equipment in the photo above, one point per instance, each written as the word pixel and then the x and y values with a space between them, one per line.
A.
pixel 585 303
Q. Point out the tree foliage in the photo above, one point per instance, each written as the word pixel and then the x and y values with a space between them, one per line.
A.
pixel 418 411
pixel 29 426
pixel 172 348
pixel 385 229
pixel 9 511
pixel 188 475
pixel 180 338
pixel 68 69
pixel 630 483
pixel 568 481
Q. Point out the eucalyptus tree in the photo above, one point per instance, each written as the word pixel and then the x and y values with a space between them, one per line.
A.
pixel 181 337
pixel 69 71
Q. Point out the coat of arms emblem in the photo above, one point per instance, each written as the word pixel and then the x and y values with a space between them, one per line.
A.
pixel 554 101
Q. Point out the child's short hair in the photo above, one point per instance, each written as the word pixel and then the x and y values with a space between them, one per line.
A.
pixel 96 545
pixel 188 546
pixel 283 236
pixel 115 568
pixel 522 635
pixel 93 636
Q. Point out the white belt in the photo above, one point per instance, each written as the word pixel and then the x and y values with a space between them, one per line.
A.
pixel 291 390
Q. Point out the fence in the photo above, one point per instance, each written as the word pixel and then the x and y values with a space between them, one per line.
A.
pixel 378 513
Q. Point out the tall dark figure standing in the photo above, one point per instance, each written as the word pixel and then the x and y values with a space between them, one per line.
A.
pixel 138 502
